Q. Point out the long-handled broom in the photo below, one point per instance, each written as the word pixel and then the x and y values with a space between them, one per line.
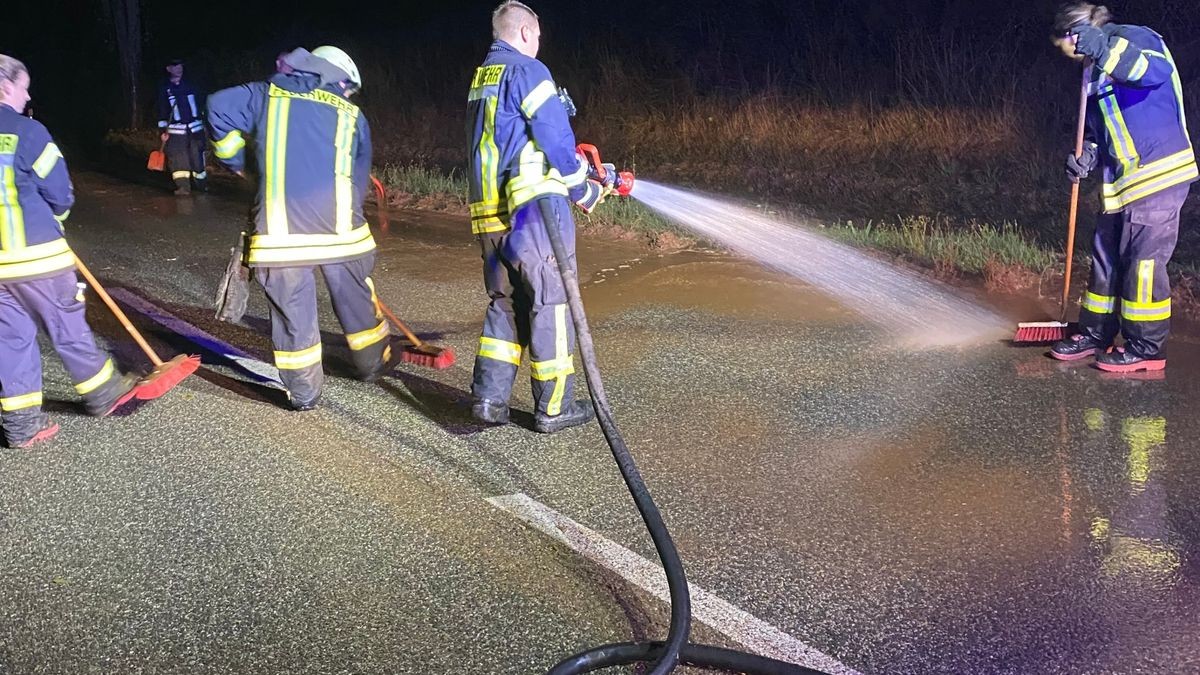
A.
pixel 1042 332
pixel 419 353
pixel 166 374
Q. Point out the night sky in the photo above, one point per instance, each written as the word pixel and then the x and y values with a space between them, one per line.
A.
pixel 714 44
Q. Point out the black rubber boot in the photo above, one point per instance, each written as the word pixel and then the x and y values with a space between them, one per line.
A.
pixel 580 412
pixel 490 412
pixel 112 395
pixel 23 431
pixel 1124 361
pixel 304 406
pixel 1078 346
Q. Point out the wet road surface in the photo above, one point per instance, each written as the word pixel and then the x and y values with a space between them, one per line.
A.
pixel 968 510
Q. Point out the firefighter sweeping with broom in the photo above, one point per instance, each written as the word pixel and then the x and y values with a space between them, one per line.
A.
pixel 523 152
pixel 1136 135
pixel 38 285
pixel 314 148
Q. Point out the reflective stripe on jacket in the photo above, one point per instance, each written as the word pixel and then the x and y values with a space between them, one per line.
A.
pixel 522 145
pixel 314 151
pixel 1136 116
pixel 35 198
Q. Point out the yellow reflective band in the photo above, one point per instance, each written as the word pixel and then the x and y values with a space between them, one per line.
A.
pixel 500 350
pixel 489 155
pixel 37 260
pixel 552 369
pixel 200 176
pixel 1114 120
pixel 343 169
pixel 176 175
pixel 540 94
pixel 533 179
pixel 230 146
pixel 1145 284
pixel 12 216
pixel 363 339
pixel 1155 169
pixel 46 161
pixel 1140 66
pixel 21 402
pixel 268 248
pixel 1146 311
pixel 276 151
pixel 1184 174
pixel 1099 304
pixel 297 360
pixel 562 355
pixel 91 384
pixel 62 217
pixel 1114 55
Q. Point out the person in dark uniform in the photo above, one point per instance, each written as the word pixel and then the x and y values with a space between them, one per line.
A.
pixel 181 121
pixel 522 153
pixel 1137 136
pixel 38 286
pixel 314 147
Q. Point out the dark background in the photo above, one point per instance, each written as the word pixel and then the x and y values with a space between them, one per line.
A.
pixel 833 49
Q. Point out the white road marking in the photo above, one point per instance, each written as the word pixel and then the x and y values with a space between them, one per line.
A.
pixel 263 372
pixel 744 628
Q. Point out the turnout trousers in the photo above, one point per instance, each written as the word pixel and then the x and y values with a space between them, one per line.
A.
pixel 55 305
pixel 185 158
pixel 295 330
pixel 1129 291
pixel 528 311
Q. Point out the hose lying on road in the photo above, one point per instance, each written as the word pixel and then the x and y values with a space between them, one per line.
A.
pixel 676 650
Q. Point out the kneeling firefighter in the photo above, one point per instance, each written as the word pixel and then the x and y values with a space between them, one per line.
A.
pixel 38 286
pixel 314 149
pixel 523 153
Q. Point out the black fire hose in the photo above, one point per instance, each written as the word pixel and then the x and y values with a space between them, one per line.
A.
pixel 676 650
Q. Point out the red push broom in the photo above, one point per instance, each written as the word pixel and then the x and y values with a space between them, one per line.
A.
pixel 1042 332
pixel 419 353
pixel 166 374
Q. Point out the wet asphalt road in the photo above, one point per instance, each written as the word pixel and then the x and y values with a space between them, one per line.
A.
pixel 975 510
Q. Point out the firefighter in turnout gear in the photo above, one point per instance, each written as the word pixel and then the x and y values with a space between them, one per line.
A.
pixel 38 286
pixel 1137 136
pixel 522 151
pixel 181 122
pixel 314 148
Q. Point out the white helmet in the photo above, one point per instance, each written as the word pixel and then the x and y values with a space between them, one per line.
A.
pixel 340 59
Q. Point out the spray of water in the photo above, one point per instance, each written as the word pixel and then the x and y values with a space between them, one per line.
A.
pixel 912 308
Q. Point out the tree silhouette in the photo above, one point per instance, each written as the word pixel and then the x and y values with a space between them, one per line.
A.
pixel 126 18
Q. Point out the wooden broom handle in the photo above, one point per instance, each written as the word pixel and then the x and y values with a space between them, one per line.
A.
pixel 1079 131
pixel 399 324
pixel 137 337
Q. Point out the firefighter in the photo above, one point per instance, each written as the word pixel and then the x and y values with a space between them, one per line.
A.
pixel 314 148
pixel 1137 137
pixel 522 152
pixel 181 122
pixel 38 286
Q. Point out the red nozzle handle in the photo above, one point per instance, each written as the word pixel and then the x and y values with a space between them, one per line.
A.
pixel 592 155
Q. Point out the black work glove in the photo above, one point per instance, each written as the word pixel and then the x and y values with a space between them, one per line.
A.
pixel 1079 167
pixel 1091 42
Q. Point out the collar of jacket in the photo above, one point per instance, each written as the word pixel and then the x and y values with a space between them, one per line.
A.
pixel 502 46
pixel 299 82
pixel 302 83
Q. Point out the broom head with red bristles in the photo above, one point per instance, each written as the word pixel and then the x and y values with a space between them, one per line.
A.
pixel 166 376
pixel 425 354
pixel 1041 332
